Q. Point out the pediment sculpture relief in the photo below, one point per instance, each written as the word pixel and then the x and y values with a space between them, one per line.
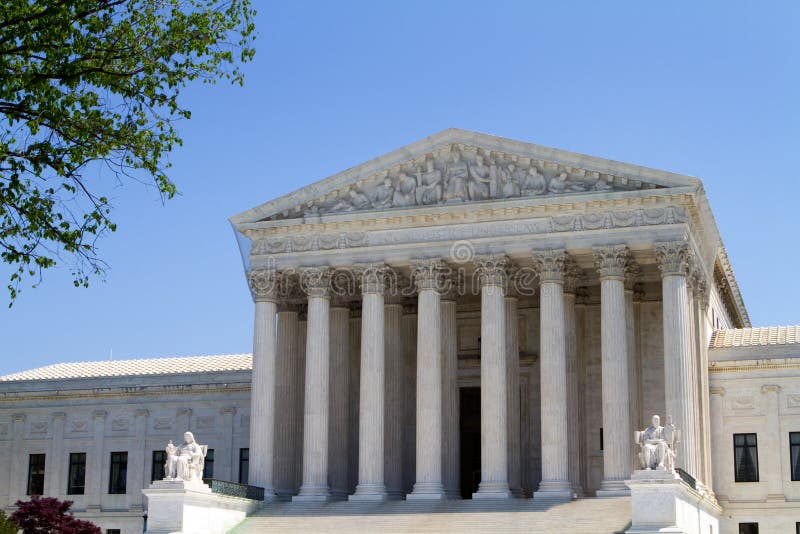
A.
pixel 464 174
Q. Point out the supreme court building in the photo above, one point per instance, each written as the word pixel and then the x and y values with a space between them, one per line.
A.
pixel 467 317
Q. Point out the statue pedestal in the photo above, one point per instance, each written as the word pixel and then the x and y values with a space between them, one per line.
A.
pixel 662 502
pixel 177 506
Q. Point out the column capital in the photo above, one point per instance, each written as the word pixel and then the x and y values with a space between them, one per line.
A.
pixel 612 261
pixel 99 414
pixel 263 285
pixel 549 264
pixel 58 416
pixel 673 257
pixel 374 277
pixel 227 410
pixel 142 412
pixel 573 276
pixel 770 388
pixel 184 411
pixel 316 281
pixel 632 274
pixel 431 274
pixel 492 270
pixel 716 390
pixel 19 417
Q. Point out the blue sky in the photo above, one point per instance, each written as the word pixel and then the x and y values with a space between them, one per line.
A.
pixel 708 89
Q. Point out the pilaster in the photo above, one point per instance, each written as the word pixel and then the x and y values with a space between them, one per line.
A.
pixel 54 460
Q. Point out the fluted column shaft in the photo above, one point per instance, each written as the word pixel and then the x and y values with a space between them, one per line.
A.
pixel 451 453
pixel 673 260
pixel 395 401
pixel 339 401
pixel 574 396
pixel 494 401
pixel 263 286
pixel 555 439
pixel 371 485
pixel 410 394
pixel 316 407
pixel 428 483
pixel 633 365
pixel 513 395
pixel 611 263
pixel 287 408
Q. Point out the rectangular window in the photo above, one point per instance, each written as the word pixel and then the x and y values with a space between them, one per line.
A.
pixel 36 474
pixel 208 466
pixel 76 481
pixel 113 531
pixel 745 457
pixel 794 454
pixel 244 465
pixel 601 438
pixel 157 468
pixel 118 475
pixel 748 528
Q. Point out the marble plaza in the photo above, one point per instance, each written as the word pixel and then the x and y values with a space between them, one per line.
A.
pixel 467 317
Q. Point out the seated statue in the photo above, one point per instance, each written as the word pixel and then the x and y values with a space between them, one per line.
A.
pixel 186 461
pixel 657 445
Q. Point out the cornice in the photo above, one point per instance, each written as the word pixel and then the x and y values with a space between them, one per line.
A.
pixel 122 393
pixel 749 366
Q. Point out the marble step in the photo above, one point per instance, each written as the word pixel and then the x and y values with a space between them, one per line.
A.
pixel 589 516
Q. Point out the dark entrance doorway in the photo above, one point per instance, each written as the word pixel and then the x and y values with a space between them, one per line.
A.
pixel 470 440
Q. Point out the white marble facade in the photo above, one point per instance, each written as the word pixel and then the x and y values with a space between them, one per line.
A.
pixel 610 273
pixel 576 295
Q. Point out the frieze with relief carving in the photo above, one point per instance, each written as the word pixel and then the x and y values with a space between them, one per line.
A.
pixel 564 223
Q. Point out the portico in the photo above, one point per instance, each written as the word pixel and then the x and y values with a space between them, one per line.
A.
pixel 569 289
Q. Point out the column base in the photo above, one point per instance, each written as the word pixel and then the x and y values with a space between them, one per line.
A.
pixel 613 488
pixel 492 490
pixel 427 491
pixel 558 490
pixel 313 494
pixel 452 494
pixel 369 492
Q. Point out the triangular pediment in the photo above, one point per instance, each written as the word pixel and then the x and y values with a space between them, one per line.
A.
pixel 456 167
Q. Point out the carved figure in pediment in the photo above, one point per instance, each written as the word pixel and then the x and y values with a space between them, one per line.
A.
pixel 353 201
pixel 479 186
pixel 383 194
pixel 560 184
pixel 534 183
pixel 510 181
pixel 456 175
pixel 429 185
pixel 602 185
pixel 404 193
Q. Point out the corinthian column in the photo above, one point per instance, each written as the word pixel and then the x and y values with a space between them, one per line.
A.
pixel 612 263
pixel 513 392
pixel 263 287
pixel 494 403
pixel 371 484
pixel 428 276
pixel 316 283
pixel 395 401
pixel 673 259
pixel 555 438
pixel 574 394
pixel 338 435
pixel 451 455
pixel 287 402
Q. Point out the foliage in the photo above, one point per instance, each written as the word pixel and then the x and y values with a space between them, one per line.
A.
pixel 48 515
pixel 89 92
pixel 6 525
